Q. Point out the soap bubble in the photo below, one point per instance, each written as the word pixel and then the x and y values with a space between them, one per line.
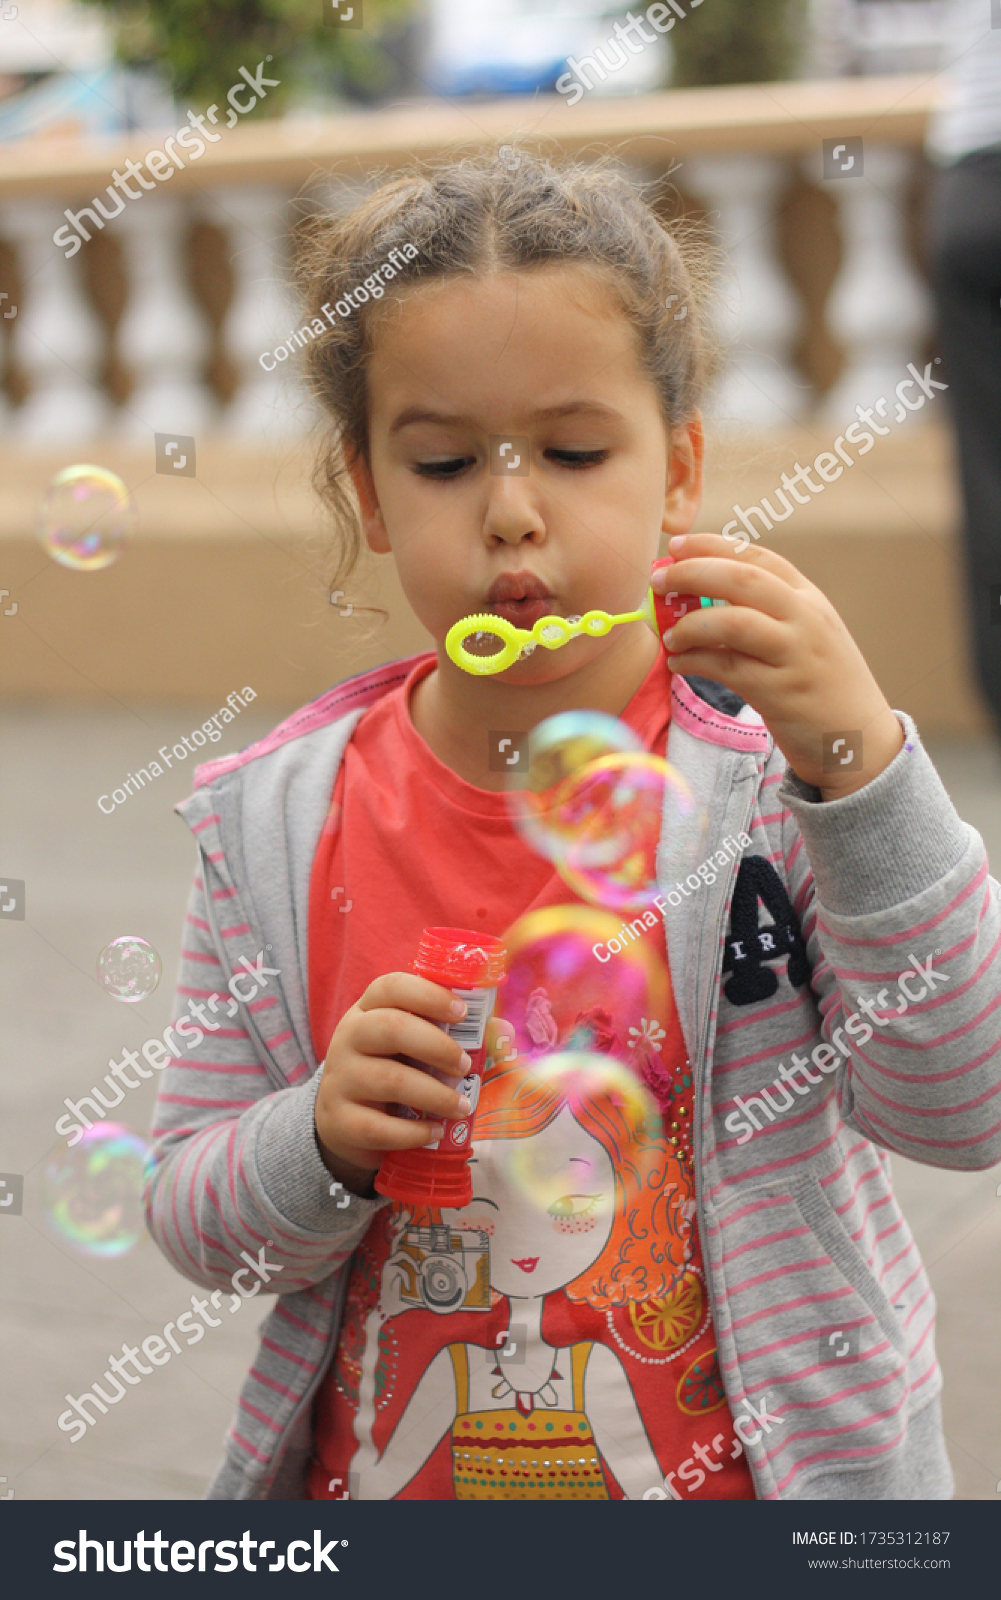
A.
pixel 92 1192
pixel 598 1091
pixel 129 968
pixel 557 749
pixel 575 955
pixel 576 1074
pixel 87 514
pixel 611 816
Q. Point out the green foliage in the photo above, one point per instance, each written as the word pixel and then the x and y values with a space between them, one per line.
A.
pixel 201 44
pixel 738 41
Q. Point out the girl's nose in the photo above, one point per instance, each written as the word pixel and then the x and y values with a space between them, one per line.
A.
pixel 513 513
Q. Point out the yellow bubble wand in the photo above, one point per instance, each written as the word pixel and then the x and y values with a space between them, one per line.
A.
pixel 553 632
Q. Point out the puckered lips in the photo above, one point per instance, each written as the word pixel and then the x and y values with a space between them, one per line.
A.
pixel 521 598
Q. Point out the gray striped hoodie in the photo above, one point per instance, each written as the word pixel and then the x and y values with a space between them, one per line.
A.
pixel 859 1014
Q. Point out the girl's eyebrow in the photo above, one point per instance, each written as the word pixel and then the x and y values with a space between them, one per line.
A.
pixel 574 408
pixel 412 414
pixel 416 414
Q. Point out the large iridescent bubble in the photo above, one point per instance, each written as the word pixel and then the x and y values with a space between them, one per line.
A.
pixel 604 811
pixel 87 515
pixel 568 956
pixel 558 748
pixel 92 1191
pixel 539 1153
pixel 621 818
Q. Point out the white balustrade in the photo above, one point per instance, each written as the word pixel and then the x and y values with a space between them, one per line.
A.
pixel 878 310
pixel 761 314
pixel 267 404
pixel 57 338
pixel 163 337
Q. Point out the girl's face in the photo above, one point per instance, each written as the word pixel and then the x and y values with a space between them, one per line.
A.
pixel 548 1203
pixel 546 363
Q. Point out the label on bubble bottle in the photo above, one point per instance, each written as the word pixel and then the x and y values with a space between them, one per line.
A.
pixel 471 1031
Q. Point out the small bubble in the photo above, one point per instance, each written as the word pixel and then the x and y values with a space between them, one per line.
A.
pixel 86 516
pixel 129 968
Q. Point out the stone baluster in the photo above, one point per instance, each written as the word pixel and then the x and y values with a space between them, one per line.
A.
pixel 878 310
pixel 262 314
pixel 761 313
pixel 163 338
pixel 57 338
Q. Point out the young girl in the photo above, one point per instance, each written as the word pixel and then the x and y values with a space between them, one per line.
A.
pixel 723 1300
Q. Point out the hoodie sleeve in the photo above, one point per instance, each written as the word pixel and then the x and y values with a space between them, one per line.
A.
pixel 903 924
pixel 235 1170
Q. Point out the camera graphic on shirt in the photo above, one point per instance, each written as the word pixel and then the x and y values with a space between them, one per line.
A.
pixel 445 1269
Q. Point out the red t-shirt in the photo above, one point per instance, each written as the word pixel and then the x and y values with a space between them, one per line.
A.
pixel 596 1376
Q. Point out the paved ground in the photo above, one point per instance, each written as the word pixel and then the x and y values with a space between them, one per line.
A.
pixel 91 878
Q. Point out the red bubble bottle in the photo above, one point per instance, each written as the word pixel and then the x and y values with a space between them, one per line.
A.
pixel 669 611
pixel 472 965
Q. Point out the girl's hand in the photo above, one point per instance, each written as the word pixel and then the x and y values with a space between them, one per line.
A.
pixel 782 647
pixel 360 1077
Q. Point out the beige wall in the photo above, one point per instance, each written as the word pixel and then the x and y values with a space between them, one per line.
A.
pixel 225 583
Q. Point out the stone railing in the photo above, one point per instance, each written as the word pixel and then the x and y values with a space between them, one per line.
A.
pixel 158 322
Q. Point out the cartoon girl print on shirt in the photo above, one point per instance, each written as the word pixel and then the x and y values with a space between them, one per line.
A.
pixel 573 1191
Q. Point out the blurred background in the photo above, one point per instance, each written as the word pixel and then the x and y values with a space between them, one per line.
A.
pixel 812 135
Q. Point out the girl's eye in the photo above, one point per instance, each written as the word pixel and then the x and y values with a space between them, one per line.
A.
pixel 574 1205
pixel 443 469
pixel 576 459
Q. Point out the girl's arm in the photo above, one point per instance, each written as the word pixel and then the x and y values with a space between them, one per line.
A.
pixel 236 1171
pixel 891 882
pixel 903 929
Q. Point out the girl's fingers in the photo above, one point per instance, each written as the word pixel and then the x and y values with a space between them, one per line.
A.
pixel 736 583
pixel 700 546
pixel 405 991
pixel 373 1079
pixel 736 672
pixel 398 1033
pixel 738 630
pixel 371 1132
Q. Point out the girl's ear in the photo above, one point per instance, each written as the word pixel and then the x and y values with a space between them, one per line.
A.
pixel 373 526
pixel 683 488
